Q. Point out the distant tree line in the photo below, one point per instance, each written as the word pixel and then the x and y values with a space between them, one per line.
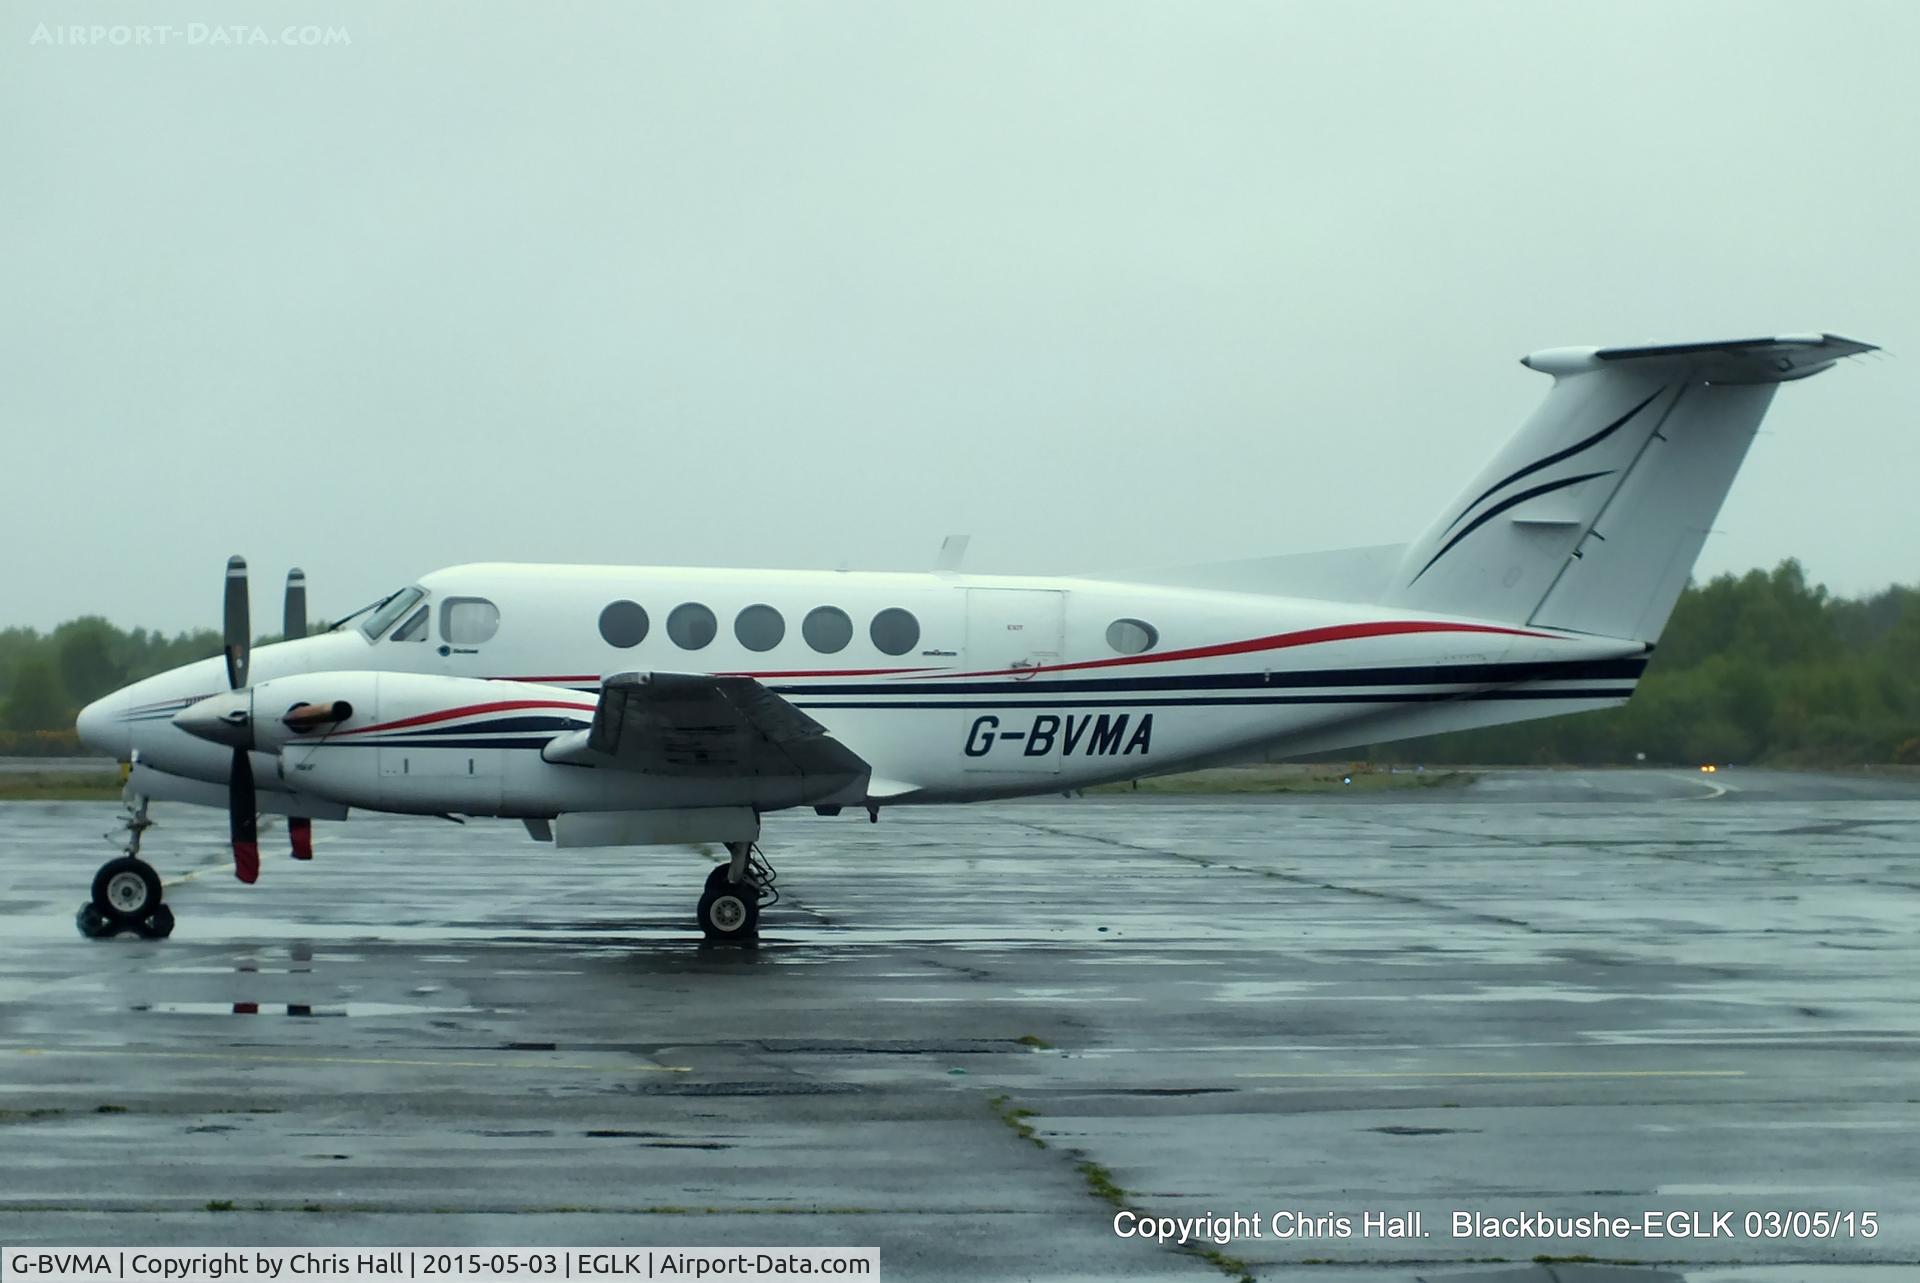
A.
pixel 45 678
pixel 1760 667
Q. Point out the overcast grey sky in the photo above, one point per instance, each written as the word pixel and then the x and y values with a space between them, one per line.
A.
pixel 1105 284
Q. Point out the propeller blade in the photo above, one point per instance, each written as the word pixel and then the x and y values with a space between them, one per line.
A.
pixel 295 626
pixel 236 626
pixel 242 820
pixel 301 831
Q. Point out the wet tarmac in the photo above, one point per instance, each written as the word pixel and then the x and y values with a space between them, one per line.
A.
pixel 1552 993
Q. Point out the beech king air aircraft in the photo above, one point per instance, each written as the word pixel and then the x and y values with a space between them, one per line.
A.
pixel 611 705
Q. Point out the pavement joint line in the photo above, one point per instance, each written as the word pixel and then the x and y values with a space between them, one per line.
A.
pixel 194 874
pixel 339 1060
pixel 1507 1073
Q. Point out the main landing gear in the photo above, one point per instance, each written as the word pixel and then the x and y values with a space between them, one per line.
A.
pixel 736 892
pixel 126 890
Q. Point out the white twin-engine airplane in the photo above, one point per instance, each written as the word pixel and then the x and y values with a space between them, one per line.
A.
pixel 608 705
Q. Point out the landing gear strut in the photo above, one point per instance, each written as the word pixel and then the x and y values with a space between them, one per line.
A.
pixel 736 892
pixel 126 890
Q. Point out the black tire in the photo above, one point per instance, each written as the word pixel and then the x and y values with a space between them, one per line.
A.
pixel 126 890
pixel 717 880
pixel 157 925
pixel 731 913
pixel 93 924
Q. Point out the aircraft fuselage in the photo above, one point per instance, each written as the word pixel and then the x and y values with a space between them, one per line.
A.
pixel 952 687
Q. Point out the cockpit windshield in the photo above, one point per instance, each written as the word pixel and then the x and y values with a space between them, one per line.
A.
pixel 387 612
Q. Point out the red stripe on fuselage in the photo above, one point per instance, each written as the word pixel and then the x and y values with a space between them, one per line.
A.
pixel 470 710
pixel 1278 641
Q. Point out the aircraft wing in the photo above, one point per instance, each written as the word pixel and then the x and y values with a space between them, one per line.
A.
pixel 694 726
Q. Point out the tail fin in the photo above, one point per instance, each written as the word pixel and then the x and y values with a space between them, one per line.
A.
pixel 1591 517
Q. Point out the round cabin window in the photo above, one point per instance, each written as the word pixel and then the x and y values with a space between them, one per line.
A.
pixel 691 626
pixel 759 627
pixel 895 631
pixel 623 624
pixel 827 629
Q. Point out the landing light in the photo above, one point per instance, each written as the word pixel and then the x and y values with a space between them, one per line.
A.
pixel 1709 768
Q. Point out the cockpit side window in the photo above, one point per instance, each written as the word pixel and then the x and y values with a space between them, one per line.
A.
pixel 390 610
pixel 415 629
pixel 468 621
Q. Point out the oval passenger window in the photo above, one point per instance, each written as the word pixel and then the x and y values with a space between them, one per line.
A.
pixel 691 626
pixel 827 629
pixel 623 624
pixel 894 631
pixel 759 627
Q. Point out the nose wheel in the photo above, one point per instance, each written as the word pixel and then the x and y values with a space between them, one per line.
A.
pixel 126 891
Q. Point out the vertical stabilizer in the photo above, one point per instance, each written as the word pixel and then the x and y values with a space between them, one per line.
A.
pixel 1591 517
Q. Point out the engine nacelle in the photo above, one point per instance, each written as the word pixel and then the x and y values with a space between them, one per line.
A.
pixel 411 742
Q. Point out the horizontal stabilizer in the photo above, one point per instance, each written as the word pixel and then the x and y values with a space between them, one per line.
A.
pixel 1774 360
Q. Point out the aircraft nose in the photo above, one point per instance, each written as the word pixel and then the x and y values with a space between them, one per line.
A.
pixel 226 718
pixel 103 727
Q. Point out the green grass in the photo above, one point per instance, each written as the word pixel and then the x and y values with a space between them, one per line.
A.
pixel 1226 1264
pixel 1016 1118
pixel 1100 1183
pixel 59 786
pixel 1287 778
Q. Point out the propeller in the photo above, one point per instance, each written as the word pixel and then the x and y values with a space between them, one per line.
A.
pixel 294 626
pixel 243 820
pixel 295 614
pixel 228 719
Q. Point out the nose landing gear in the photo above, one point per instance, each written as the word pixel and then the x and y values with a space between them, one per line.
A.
pixel 126 890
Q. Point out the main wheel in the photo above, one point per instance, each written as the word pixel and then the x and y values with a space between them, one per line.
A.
pixel 93 924
pixel 126 890
pixel 717 879
pixel 730 913
pixel 157 925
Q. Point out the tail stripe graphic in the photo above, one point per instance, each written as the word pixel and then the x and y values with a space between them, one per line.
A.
pixel 1552 459
pixel 1505 504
